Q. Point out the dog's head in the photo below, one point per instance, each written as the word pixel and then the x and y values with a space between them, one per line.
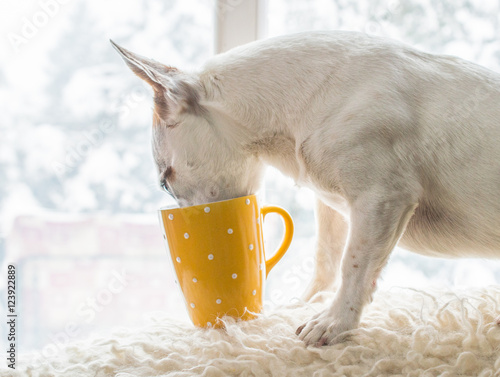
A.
pixel 197 162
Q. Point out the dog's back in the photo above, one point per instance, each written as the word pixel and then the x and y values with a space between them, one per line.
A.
pixel 438 116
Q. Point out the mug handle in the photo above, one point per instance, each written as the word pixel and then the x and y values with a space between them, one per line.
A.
pixel 287 235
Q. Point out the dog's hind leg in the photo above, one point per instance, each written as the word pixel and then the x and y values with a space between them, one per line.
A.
pixel 332 230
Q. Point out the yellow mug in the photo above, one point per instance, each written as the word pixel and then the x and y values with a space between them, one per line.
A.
pixel 218 255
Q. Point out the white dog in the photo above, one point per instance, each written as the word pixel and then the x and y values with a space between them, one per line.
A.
pixel 401 147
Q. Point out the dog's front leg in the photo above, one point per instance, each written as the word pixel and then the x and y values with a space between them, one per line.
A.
pixel 331 237
pixel 376 225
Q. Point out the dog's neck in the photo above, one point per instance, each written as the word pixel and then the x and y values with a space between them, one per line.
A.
pixel 271 143
pixel 257 114
pixel 278 150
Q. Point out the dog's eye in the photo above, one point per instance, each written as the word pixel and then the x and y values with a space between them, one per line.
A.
pixel 164 186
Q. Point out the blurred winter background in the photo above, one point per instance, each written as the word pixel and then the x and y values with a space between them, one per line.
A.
pixel 78 192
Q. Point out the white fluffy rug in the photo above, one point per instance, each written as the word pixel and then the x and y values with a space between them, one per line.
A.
pixel 403 332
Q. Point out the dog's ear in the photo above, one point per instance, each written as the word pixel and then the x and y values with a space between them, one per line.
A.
pixel 174 92
pixel 147 69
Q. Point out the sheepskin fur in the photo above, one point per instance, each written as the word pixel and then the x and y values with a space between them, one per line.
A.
pixel 405 332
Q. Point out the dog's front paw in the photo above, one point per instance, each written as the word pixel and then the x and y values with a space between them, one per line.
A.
pixel 325 329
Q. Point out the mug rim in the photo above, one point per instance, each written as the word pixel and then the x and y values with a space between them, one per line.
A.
pixel 173 207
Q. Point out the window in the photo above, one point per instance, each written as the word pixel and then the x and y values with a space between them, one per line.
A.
pixel 79 192
pixel 79 196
